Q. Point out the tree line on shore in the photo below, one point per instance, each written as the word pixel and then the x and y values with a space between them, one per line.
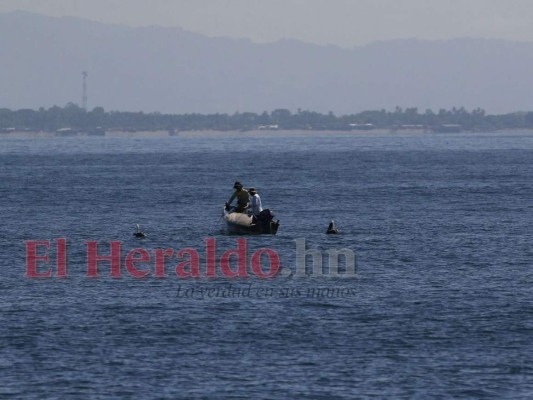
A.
pixel 75 118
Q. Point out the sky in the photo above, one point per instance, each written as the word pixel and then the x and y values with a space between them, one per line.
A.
pixel 345 23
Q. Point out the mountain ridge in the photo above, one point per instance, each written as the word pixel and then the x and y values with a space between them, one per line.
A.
pixel 171 70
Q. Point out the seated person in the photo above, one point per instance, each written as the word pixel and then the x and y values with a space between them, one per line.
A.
pixel 255 202
pixel 242 197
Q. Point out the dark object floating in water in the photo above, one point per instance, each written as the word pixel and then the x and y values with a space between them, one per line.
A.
pixel 332 229
pixel 244 224
pixel 139 234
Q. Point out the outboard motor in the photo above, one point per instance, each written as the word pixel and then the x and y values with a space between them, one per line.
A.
pixel 265 219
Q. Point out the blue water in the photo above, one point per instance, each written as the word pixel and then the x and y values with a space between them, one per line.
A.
pixel 441 306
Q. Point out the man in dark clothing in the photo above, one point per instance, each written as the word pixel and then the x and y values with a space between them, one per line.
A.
pixel 242 196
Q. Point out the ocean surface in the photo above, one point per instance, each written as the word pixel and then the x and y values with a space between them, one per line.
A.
pixel 441 306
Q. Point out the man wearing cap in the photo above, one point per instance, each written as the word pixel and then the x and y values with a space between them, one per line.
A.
pixel 255 202
pixel 242 196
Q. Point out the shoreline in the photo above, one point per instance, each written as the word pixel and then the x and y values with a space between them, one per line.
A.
pixel 251 134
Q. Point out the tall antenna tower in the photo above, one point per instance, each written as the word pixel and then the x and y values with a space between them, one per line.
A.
pixel 84 92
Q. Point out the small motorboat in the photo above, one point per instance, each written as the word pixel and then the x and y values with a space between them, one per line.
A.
pixel 243 224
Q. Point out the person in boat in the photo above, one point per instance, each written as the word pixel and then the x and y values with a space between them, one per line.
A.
pixel 255 202
pixel 242 196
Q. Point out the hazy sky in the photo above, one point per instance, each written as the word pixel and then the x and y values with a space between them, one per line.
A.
pixel 341 22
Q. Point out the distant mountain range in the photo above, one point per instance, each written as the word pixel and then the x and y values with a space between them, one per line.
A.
pixel 174 71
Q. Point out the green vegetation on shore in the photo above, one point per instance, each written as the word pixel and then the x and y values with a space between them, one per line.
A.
pixel 74 118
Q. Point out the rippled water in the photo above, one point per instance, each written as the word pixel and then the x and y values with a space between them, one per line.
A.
pixel 441 306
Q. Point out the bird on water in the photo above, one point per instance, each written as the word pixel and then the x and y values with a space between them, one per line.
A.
pixel 139 233
pixel 332 229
